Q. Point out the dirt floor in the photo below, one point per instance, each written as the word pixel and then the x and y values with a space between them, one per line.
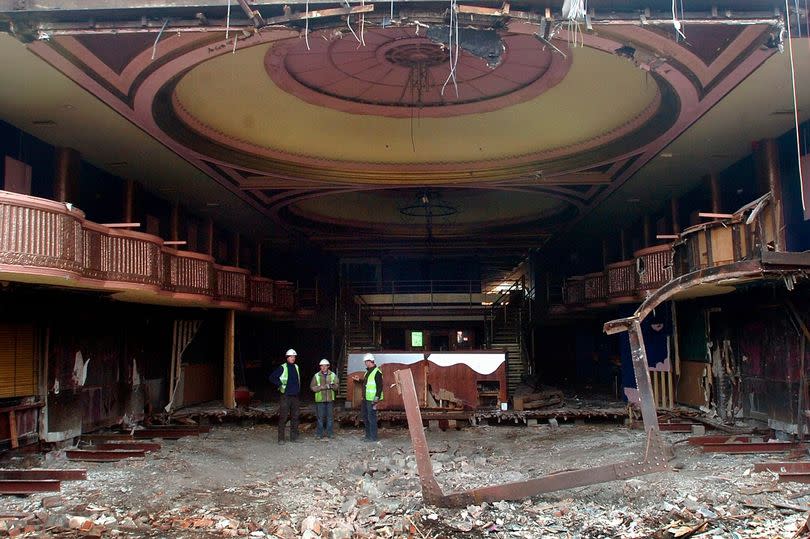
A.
pixel 237 481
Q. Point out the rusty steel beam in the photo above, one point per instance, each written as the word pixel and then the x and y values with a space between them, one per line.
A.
pixel 655 459
pixel 137 446
pixel 720 439
pixel 167 434
pixel 106 437
pixel 43 473
pixel 21 486
pixel 751 447
pixel 797 477
pixel 782 467
pixel 102 455
pixel 192 428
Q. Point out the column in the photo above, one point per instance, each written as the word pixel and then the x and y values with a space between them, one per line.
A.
pixel 676 215
pixel 129 201
pixel 66 178
pixel 714 189
pixel 766 158
pixel 228 381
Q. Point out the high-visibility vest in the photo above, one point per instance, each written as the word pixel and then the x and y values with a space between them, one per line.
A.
pixel 285 375
pixel 319 394
pixel 371 385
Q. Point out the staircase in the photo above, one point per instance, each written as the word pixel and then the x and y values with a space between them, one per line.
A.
pixel 358 334
pixel 508 319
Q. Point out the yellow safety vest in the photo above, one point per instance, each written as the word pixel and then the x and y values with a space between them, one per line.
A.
pixel 319 394
pixel 371 385
pixel 285 375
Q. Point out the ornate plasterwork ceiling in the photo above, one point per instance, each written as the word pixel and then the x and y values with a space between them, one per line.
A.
pixel 321 138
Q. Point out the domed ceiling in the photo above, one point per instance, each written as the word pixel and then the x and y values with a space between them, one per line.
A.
pixel 336 130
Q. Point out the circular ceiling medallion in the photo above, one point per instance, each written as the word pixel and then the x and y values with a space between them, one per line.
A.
pixel 397 71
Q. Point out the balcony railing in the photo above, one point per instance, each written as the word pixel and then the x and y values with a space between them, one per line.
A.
pixel 595 288
pixel 715 243
pixel 653 266
pixel 622 281
pixel 743 235
pixel 41 240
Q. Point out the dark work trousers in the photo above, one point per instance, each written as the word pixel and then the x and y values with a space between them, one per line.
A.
pixel 370 419
pixel 325 411
pixel 288 407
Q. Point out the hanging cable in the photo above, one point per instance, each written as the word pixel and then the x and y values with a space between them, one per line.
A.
pixel 676 23
pixel 362 26
pixel 795 104
pixel 349 20
pixel 235 41
pixel 453 53
pixel 306 27
pixel 228 21
pixel 154 47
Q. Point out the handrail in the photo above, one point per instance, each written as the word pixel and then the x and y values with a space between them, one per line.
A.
pixel 43 239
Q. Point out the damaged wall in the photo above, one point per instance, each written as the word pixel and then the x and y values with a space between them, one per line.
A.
pixel 751 355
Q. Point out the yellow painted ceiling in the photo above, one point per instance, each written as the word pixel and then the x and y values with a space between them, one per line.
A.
pixel 234 95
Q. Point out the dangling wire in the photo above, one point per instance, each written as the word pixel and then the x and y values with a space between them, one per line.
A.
pixel 306 27
pixel 235 41
pixel 362 26
pixel 349 23
pixel 675 22
pixel 453 50
pixel 154 47
pixel 228 21
pixel 795 104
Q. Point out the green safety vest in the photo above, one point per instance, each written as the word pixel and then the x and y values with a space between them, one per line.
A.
pixel 371 385
pixel 285 375
pixel 319 394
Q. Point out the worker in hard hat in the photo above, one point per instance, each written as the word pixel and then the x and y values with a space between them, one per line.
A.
pixel 324 384
pixel 288 379
pixel 372 395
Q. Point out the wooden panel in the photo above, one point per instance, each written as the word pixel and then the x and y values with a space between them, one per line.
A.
pixel 200 383
pixel 18 372
pixel 690 383
pixel 722 245
pixel 459 379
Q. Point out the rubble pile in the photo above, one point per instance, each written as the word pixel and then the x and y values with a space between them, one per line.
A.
pixel 238 483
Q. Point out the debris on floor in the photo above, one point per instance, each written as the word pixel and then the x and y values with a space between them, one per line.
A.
pixel 236 482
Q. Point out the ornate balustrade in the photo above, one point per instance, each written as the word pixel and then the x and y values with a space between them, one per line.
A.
pixel 261 293
pixel 48 242
pixel 653 266
pixel 574 293
pixel 622 281
pixel 595 288
pixel 284 292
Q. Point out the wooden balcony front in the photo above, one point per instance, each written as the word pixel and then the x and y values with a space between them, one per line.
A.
pixel 574 293
pixel 622 282
pixel 47 242
pixel 653 266
pixel 596 289
pixel 743 236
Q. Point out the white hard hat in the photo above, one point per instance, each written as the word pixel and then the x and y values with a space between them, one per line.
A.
pixel 324 362
pixel 291 352
pixel 368 357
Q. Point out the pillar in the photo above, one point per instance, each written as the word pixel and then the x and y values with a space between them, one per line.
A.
pixel 209 235
pixel 174 223
pixel 129 201
pixel 714 189
pixel 623 245
pixel 766 158
pixel 66 177
pixel 646 231
pixel 228 379
pixel 676 212
pixel 237 248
